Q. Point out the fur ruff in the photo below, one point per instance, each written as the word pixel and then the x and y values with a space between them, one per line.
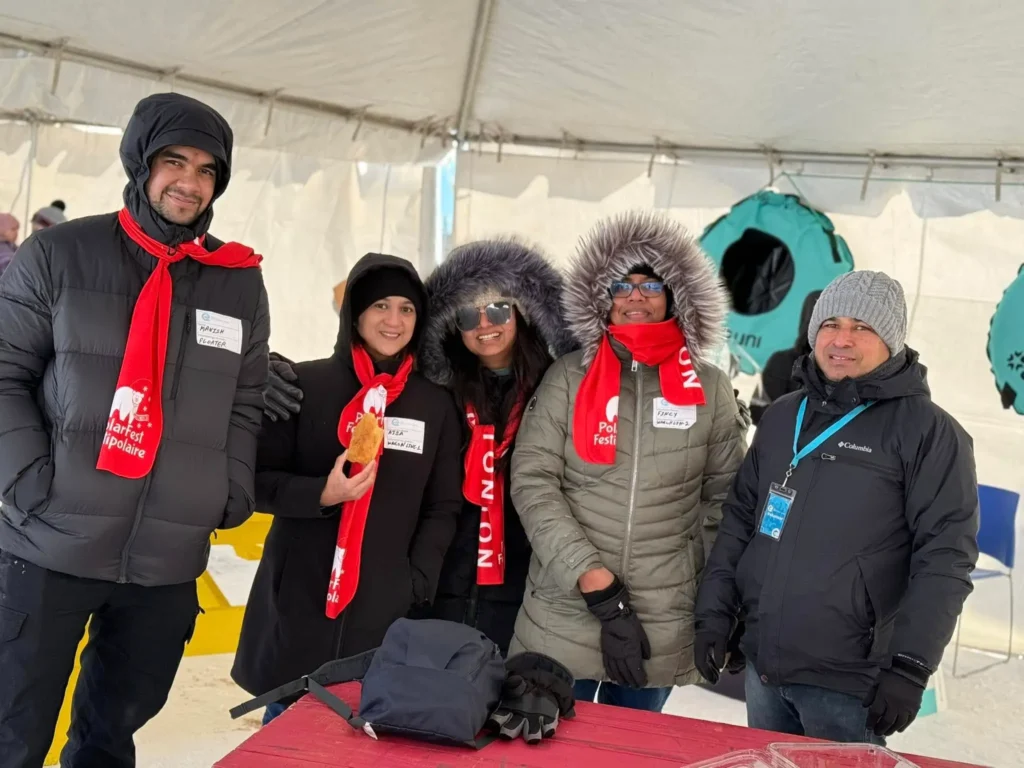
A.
pixel 616 245
pixel 511 268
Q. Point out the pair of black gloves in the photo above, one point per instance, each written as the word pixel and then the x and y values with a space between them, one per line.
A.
pixel 892 703
pixel 537 694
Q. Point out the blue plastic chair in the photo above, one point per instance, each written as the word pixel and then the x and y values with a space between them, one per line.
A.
pixel 996 538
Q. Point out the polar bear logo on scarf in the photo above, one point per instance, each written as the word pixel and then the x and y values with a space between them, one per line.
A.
pixel 375 400
pixel 126 405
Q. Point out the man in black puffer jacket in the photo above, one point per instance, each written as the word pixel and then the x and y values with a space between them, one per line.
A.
pixel 850 560
pixel 132 369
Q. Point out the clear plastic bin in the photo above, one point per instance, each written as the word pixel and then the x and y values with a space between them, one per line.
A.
pixel 834 756
pixel 748 758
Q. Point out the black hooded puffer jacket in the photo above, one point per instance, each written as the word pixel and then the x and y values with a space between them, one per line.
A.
pixel 65 308
pixel 518 272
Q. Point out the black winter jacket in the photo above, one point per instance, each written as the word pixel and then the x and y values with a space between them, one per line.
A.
pixel 65 309
pixel 875 557
pixel 416 498
pixel 491 608
pixel 512 270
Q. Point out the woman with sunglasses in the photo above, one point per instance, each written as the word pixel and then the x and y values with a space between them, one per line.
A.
pixel 364 484
pixel 622 462
pixel 495 323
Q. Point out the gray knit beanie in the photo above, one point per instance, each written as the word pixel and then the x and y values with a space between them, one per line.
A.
pixel 873 297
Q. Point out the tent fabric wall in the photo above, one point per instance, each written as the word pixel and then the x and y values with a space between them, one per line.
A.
pixel 311 218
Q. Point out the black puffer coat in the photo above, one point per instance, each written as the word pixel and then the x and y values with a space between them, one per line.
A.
pixel 65 309
pixel 515 271
pixel 416 499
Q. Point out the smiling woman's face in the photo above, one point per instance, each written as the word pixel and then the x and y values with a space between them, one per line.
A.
pixel 637 308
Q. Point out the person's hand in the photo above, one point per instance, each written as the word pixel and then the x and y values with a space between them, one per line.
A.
pixel 709 651
pixel 341 488
pixel 895 699
pixel 281 398
pixel 624 643
pixel 596 579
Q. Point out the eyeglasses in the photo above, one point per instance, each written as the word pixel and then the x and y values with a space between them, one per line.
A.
pixel 498 313
pixel 620 289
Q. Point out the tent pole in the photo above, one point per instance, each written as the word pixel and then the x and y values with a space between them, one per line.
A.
pixel 28 176
pixel 476 57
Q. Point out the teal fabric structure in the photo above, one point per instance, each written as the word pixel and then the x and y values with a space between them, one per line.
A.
pixel 1006 345
pixel 772 251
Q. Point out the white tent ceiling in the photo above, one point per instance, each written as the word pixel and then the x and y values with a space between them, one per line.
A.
pixel 938 78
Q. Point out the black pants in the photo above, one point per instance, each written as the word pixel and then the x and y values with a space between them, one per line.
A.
pixel 137 637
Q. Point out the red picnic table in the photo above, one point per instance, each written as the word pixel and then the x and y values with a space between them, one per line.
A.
pixel 310 734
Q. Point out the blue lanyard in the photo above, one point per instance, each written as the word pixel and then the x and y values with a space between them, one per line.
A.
pixel 832 429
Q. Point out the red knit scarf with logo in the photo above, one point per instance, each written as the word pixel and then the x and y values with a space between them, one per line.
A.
pixel 485 487
pixel 379 391
pixel 136 419
pixel 596 417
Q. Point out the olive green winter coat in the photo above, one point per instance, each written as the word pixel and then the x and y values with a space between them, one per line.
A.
pixel 652 515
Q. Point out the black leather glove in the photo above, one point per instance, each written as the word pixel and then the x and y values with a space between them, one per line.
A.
pixel 537 692
pixel 624 644
pixel 895 700
pixel 281 399
pixel 709 651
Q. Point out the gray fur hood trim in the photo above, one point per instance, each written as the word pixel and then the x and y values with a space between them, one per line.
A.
pixel 616 245
pixel 512 268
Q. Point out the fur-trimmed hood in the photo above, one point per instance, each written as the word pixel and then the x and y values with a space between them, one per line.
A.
pixel 616 245
pixel 508 266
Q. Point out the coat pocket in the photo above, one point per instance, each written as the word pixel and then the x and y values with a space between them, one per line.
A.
pixel 11 622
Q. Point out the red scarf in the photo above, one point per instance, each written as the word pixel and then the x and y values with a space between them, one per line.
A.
pixel 379 390
pixel 136 419
pixel 485 488
pixel 597 404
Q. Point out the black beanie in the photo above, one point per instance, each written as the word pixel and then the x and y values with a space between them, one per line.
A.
pixel 382 282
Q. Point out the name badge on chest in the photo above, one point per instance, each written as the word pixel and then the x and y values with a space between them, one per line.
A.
pixel 404 434
pixel 776 510
pixel 670 416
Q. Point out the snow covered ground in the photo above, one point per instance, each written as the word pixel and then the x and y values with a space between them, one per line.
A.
pixel 982 721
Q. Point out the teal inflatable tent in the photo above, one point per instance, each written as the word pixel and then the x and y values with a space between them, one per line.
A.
pixel 772 252
pixel 1006 345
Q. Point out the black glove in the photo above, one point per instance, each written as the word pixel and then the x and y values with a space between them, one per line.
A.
pixel 709 651
pixel 894 701
pixel 624 644
pixel 735 660
pixel 744 410
pixel 537 692
pixel 281 399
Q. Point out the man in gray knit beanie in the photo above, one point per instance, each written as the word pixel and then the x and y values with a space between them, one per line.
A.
pixel 862 318
pixel 846 550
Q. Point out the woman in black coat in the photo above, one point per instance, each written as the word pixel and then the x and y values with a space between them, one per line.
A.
pixel 304 480
pixel 496 321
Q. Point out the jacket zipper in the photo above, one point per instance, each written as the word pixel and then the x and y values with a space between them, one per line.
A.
pixel 122 577
pixel 861 463
pixel 638 421
pixel 181 354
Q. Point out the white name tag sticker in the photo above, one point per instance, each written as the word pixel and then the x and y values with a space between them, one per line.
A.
pixel 669 416
pixel 404 434
pixel 219 331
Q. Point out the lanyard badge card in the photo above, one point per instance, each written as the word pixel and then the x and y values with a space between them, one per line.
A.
pixel 781 497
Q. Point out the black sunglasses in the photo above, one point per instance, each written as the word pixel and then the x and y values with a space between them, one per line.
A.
pixel 622 290
pixel 468 318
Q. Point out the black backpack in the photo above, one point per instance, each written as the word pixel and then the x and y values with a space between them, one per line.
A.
pixel 430 679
